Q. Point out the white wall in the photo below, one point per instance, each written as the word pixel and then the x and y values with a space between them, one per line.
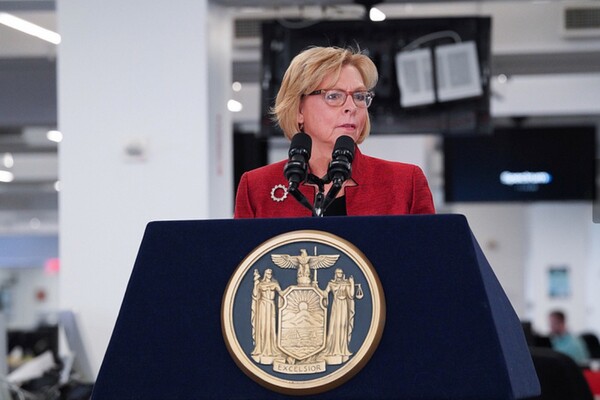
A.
pixel 501 231
pixel 544 95
pixel 592 282
pixel 535 27
pixel 561 234
pixel 135 75
pixel 523 240
pixel 29 296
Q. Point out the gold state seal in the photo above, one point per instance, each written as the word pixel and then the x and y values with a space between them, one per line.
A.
pixel 305 337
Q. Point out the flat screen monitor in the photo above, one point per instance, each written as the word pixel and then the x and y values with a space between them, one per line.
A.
pixel 521 164
pixel 78 361
pixel 443 88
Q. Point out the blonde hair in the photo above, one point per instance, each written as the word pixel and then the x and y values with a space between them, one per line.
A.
pixel 306 71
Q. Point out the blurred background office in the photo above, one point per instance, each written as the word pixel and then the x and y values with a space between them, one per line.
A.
pixel 145 111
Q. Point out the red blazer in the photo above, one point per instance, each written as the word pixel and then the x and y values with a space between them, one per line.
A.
pixel 383 188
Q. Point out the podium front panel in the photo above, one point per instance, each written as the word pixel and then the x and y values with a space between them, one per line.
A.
pixel 450 331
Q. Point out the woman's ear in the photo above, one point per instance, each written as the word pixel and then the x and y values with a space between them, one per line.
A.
pixel 300 116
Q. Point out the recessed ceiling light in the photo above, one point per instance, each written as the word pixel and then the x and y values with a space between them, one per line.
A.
pixel 234 106
pixel 6 176
pixel 35 223
pixel 502 78
pixel 376 15
pixel 54 136
pixel 8 160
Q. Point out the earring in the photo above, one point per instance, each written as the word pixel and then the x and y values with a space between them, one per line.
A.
pixel 301 127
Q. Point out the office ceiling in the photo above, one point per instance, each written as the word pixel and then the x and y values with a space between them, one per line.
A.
pixel 291 3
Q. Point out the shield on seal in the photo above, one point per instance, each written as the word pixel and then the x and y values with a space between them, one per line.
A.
pixel 302 322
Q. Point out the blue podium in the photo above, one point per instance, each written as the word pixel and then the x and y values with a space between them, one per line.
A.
pixel 450 331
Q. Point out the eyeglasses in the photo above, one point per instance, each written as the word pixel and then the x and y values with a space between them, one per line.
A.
pixel 337 97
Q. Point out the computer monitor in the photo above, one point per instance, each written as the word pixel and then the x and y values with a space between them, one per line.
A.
pixel 34 342
pixel 77 363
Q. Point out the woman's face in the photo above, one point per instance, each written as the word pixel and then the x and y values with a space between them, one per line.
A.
pixel 325 123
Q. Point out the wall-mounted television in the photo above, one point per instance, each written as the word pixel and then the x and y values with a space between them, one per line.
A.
pixel 433 72
pixel 521 164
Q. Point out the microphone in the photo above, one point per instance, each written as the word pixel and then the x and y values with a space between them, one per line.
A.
pixel 340 168
pixel 296 169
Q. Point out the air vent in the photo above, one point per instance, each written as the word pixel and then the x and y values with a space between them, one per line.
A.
pixel 581 21
pixel 247 34
pixel 247 29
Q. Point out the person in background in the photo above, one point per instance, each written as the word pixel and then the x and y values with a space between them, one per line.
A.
pixel 563 341
pixel 326 93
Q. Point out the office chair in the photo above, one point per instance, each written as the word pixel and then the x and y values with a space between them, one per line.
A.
pixel 592 343
pixel 560 377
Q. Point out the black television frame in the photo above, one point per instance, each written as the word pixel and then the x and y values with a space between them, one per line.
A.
pixel 382 41
pixel 473 165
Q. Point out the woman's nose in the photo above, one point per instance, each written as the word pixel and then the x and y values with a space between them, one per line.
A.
pixel 349 105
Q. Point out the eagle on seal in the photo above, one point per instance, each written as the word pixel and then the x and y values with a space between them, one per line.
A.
pixel 304 263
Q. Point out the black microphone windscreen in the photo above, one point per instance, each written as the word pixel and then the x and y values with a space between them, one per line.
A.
pixel 344 143
pixel 302 141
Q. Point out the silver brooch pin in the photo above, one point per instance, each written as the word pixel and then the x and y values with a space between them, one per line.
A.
pixel 284 191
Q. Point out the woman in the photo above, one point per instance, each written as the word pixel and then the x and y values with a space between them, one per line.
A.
pixel 341 319
pixel 325 93
pixel 263 318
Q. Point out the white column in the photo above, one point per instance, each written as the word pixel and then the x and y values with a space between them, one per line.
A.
pixel 592 278
pixel 220 43
pixel 138 119
pixel 500 230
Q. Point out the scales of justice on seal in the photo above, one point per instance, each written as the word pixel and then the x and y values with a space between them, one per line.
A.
pixel 303 312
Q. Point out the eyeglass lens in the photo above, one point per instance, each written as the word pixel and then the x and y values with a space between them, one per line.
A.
pixel 337 98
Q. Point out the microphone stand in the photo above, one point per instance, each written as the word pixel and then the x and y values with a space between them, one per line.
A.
pixel 339 170
pixel 293 190
pixel 318 208
pixel 321 201
pixel 333 191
